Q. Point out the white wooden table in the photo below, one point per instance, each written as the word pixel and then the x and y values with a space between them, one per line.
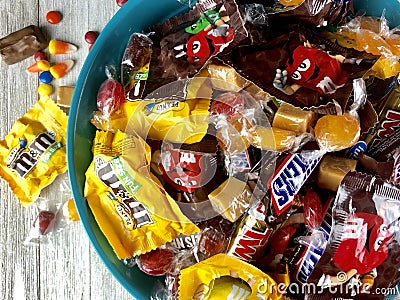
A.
pixel 70 268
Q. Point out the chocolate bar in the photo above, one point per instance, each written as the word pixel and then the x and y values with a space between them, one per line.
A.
pixel 21 44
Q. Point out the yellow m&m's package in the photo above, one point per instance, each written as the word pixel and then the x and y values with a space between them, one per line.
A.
pixel 172 120
pixel 130 206
pixel 225 277
pixel 33 153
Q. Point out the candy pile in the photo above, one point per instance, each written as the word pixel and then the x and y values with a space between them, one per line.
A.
pixel 251 151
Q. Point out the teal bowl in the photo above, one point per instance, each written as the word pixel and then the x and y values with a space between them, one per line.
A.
pixel 135 16
pixel 376 7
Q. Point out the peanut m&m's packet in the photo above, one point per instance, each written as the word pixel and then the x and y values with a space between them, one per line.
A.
pixel 33 153
pixel 129 204
pixel 239 279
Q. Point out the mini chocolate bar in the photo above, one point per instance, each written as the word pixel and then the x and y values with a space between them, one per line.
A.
pixel 251 235
pixel 21 44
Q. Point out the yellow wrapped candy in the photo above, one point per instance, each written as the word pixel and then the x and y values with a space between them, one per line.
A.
pixel 130 206
pixel 33 153
pixel 172 120
pixel 204 280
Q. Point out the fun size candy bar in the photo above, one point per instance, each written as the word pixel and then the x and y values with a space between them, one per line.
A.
pixel 21 44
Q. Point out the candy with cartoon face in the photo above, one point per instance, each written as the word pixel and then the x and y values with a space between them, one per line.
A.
pixel 205 44
pixel 185 170
pixel 316 70
pixel 364 244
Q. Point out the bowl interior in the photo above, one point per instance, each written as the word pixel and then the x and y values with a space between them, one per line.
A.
pixel 135 16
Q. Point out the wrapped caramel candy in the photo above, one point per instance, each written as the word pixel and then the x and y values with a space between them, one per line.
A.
pixel 292 118
pixel 231 198
pixel 332 170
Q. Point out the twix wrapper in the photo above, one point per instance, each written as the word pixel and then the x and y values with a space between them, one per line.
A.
pixel 33 153
pixel 130 206
pixel 203 280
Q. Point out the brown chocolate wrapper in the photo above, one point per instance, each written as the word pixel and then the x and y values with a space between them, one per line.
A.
pixel 135 65
pixel 372 166
pixel 276 54
pixel 21 44
pixel 182 54
pixel 384 138
pixel 366 216
pixel 311 12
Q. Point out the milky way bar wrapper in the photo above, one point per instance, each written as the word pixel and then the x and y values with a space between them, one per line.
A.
pixel 384 138
pixel 135 65
pixel 188 41
pixel 302 69
pixel 251 235
pixel 362 254
pixel 21 44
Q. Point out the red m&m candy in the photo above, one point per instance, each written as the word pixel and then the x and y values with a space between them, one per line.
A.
pixel 40 56
pixel 53 17
pixel 120 3
pixel 91 36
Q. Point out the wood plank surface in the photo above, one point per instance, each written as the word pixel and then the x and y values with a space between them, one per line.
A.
pixel 67 267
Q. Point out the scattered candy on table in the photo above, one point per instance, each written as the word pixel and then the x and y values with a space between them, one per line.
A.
pixel 21 44
pixel 61 47
pixel 53 17
pixel 40 65
pixel 64 95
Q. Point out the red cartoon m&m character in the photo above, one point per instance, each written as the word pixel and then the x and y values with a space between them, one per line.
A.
pixel 313 69
pixel 205 44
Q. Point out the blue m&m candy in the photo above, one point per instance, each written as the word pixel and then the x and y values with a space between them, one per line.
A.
pixel 45 77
